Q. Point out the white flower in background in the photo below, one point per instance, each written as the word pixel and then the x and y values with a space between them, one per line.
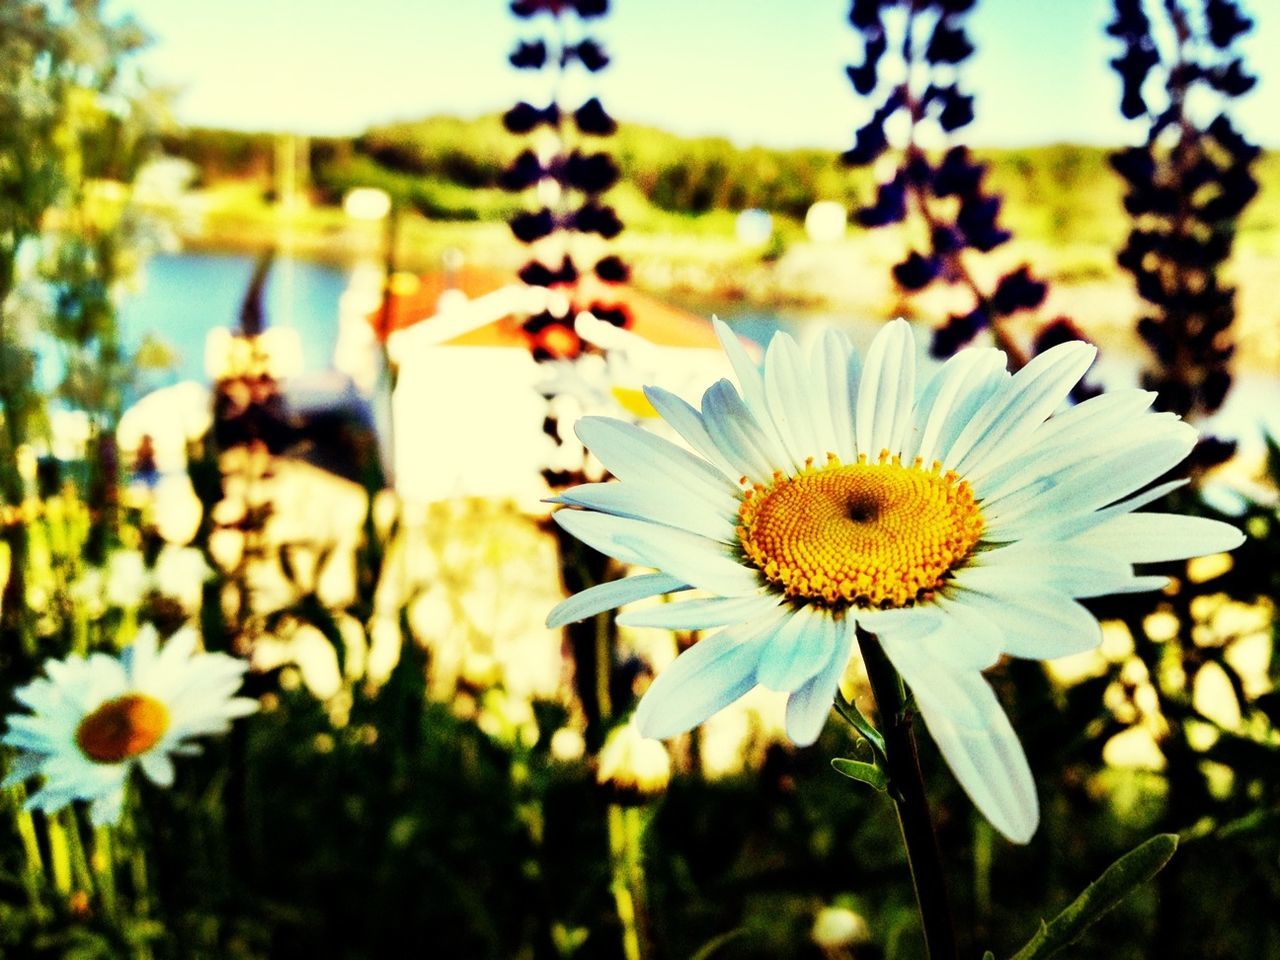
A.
pixel 633 767
pixel 127 578
pixel 173 417
pixel 176 511
pixel 835 928
pixel 93 719
pixel 955 519
pixel 308 649
pixel 181 573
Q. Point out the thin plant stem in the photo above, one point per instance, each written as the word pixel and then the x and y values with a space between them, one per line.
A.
pixel 906 786
pixel 137 860
pixel 621 885
pixel 634 821
pixel 604 664
pixel 59 855
pixel 33 874
pixel 79 858
pixel 104 866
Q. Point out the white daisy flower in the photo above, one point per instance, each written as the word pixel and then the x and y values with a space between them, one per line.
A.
pixel 93 719
pixel 955 519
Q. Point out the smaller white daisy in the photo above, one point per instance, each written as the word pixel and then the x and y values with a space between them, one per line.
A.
pixel 93 719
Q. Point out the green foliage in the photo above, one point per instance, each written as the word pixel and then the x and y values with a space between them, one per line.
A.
pixel 868 773
pixel 1118 881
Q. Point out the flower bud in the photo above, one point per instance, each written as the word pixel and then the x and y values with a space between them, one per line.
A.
pixel 632 768
pixel 837 927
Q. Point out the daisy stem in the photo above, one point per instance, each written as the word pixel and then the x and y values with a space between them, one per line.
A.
pixel 59 855
pixel 604 663
pixel 103 863
pixel 624 858
pixel 79 859
pixel 33 876
pixel 906 786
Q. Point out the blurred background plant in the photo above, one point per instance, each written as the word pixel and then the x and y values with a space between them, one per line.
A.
pixel 435 767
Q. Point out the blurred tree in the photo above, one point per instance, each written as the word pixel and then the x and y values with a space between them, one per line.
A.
pixel 73 132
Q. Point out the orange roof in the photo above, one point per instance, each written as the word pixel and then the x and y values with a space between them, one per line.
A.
pixel 656 321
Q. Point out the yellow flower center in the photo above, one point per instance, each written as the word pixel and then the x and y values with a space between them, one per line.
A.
pixel 863 534
pixel 122 728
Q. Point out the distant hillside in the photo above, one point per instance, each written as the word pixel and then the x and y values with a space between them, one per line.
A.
pixel 448 168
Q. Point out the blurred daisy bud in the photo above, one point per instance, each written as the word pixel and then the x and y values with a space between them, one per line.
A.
pixel 25 459
pixel 384 511
pixel 567 745
pixel 180 574
pixel 310 651
pixel 176 510
pixel 479 671
pixel 127 578
pixel 385 641
pixel 227 548
pixel 632 768
pixel 838 927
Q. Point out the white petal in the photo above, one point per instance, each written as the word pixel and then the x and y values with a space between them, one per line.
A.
pixel 1102 423
pixel 687 422
pixel 808 706
pixel 693 559
pixel 630 452
pixel 1073 569
pixel 838 368
pixel 158 768
pixel 1154 537
pixel 742 440
pixel 701 613
pixel 105 809
pixel 800 648
pixel 703 680
pixel 658 504
pixel 22 767
pixel 1038 623
pixel 611 595
pixel 787 389
pixel 1005 424
pixel 967 638
pixel 1083 488
pixel 985 757
pixel 744 368
pixel 928 676
pixel 963 387
pixel 886 394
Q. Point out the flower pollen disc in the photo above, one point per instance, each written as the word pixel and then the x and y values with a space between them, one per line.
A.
pixel 863 534
pixel 122 728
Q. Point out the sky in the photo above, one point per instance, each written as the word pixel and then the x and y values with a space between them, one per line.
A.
pixel 757 71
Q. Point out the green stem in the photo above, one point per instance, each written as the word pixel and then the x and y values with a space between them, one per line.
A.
pixel 906 786
pixel 604 664
pixel 103 862
pixel 59 855
pixel 75 845
pixel 621 886
pixel 33 875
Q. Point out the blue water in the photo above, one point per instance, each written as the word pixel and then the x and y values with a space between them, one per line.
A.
pixel 185 295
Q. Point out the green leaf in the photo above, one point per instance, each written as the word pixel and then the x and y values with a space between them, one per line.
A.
pixel 1119 880
pixel 712 946
pixel 868 773
pixel 849 710
pixel 1273 457
pixel 988 955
